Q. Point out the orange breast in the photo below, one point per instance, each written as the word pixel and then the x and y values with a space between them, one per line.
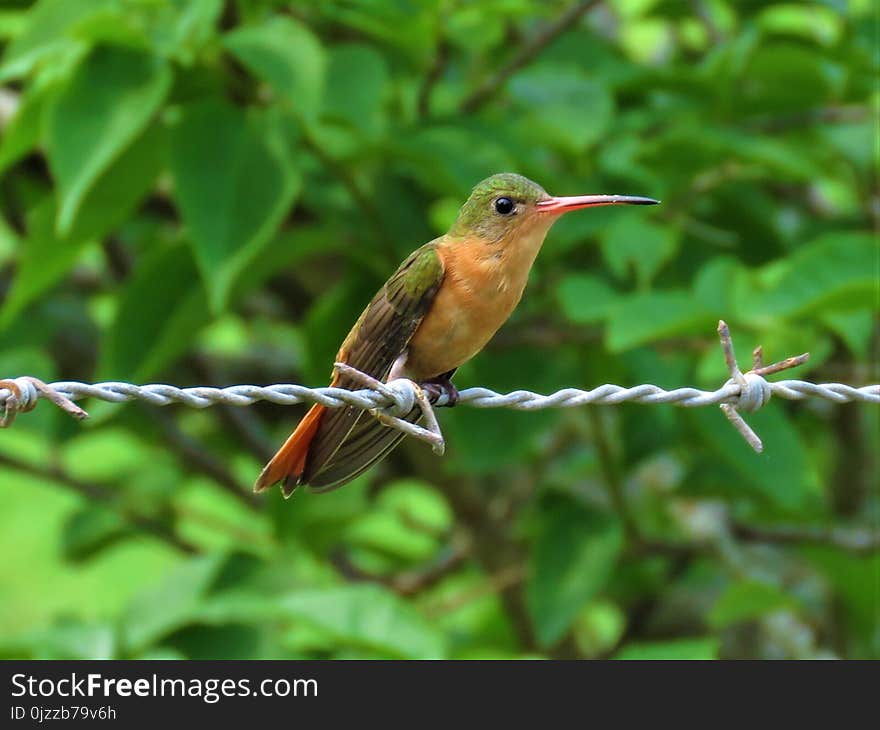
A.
pixel 478 294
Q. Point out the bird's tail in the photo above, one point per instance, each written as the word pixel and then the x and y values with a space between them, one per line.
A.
pixel 289 462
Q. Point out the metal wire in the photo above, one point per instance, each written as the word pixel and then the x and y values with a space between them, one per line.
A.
pixel 160 394
pixel 743 392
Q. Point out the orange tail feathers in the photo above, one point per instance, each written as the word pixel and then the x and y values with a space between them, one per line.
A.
pixel 289 462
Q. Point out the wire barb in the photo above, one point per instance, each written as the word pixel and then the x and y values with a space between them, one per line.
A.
pixel 755 391
pixel 22 395
pixel 393 403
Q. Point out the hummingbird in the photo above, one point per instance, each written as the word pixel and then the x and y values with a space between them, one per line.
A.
pixel 439 309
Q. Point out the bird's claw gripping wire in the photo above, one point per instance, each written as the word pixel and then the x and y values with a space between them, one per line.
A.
pixel 754 390
pixel 441 392
pixel 24 392
pixel 403 395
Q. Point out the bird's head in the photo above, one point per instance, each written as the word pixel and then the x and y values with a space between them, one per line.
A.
pixel 508 205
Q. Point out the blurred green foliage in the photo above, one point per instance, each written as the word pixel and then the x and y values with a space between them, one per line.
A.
pixel 207 192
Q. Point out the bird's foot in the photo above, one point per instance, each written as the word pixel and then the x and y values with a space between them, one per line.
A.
pixel 439 387
pixel 392 417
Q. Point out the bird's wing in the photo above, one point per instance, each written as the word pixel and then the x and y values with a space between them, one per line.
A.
pixel 348 439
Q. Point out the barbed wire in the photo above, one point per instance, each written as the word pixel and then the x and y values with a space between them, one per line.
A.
pixel 391 402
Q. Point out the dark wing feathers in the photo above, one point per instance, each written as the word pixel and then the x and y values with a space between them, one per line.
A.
pixel 349 440
pixel 368 442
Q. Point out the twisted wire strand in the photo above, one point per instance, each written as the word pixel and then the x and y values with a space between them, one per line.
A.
pixel 391 403
pixel 160 394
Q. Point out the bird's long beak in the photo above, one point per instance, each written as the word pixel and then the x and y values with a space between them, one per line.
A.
pixel 563 205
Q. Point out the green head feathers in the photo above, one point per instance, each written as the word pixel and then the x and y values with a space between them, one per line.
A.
pixel 488 211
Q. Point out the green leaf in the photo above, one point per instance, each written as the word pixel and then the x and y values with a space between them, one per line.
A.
pixel 599 628
pixel 160 311
pixel 186 26
pixel 327 321
pixel 418 504
pixel 239 606
pixel 562 105
pixel 851 140
pixel 232 641
pixel 369 617
pixel 450 158
pixel 646 40
pixel 746 600
pixel 811 21
pixel 22 132
pixel 66 639
pixel 473 30
pixel 287 56
pixel 585 298
pixel 700 648
pixel 854 580
pixel 782 159
pixel 105 455
pixel 48 32
pixel 122 187
pixel 89 530
pixel 785 77
pixel 835 272
pixel 288 248
pixel 854 328
pixel 575 551
pixel 384 532
pixel 714 285
pixel 232 210
pixel 653 316
pixel 783 474
pixel 357 87
pixel 116 26
pixel 9 241
pixel 44 260
pixel 406 522
pixel 12 23
pixel 403 27
pixel 633 243
pixel 170 605
pixel 108 102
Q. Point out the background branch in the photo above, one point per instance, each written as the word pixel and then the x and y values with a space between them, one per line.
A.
pixel 530 50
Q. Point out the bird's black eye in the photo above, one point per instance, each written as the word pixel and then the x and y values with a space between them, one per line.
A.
pixel 504 206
